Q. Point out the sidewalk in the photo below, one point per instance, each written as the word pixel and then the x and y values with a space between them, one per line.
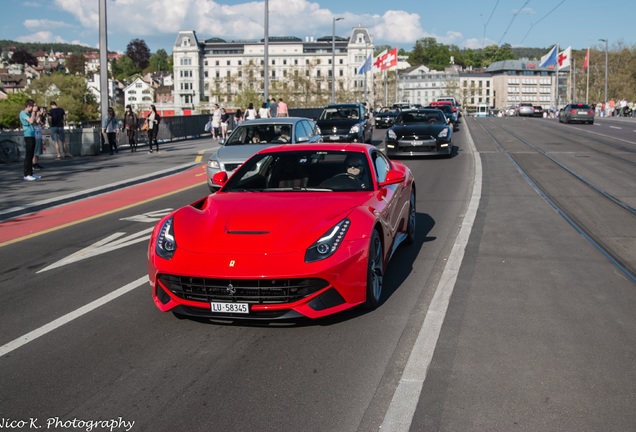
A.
pixel 69 180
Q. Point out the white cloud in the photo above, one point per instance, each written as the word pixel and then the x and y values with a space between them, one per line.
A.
pixel 244 21
pixel 44 24
pixel 41 36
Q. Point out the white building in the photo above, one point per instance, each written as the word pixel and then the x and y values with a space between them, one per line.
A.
pixel 421 85
pixel 139 95
pixel 475 88
pixel 215 66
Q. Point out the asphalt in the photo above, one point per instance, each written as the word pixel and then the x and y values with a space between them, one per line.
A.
pixel 75 178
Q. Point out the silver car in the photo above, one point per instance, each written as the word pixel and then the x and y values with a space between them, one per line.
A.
pixel 577 112
pixel 526 109
pixel 253 136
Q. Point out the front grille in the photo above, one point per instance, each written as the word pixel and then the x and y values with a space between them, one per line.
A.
pixel 253 291
pixel 231 166
pixel 424 144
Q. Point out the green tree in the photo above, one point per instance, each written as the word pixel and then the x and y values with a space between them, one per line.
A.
pixel 159 62
pixel 69 92
pixel 10 109
pixel 123 68
pixel 76 64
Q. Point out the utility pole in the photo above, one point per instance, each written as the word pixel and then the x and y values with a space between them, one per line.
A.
pixel 103 59
pixel 266 56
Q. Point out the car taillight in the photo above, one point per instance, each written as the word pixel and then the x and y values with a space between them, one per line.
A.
pixel 573 112
pixel 590 112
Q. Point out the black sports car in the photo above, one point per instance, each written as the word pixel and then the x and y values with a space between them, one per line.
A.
pixel 345 123
pixel 421 132
pixel 385 119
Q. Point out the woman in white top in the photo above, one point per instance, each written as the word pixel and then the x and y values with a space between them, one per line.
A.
pixel 250 113
pixel 216 122
pixel 264 111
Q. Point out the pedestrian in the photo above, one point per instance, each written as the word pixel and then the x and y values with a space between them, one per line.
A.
pixel 57 118
pixel 250 113
pixel 110 127
pixel 27 119
pixel 216 122
pixel 273 108
pixel 153 120
pixel 130 124
pixel 238 117
pixel 225 120
pixel 263 112
pixel 40 121
pixel 282 108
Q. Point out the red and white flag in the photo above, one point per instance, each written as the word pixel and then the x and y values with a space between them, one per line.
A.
pixel 379 60
pixel 565 57
pixel 587 60
pixel 390 60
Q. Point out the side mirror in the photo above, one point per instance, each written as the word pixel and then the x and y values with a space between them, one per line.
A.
pixel 393 177
pixel 220 178
pixel 302 139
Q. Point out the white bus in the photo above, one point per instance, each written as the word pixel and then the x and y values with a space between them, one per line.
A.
pixel 483 110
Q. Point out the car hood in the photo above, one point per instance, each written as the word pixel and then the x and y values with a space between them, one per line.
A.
pixel 239 152
pixel 328 125
pixel 417 129
pixel 263 222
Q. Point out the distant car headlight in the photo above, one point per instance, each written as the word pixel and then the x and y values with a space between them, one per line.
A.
pixel 214 164
pixel 443 133
pixel 391 134
pixel 355 129
pixel 327 245
pixel 166 243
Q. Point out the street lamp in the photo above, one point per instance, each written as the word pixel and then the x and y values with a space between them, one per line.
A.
pixel 333 60
pixel 605 101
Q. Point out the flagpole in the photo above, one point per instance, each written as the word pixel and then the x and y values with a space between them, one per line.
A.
pixel 587 62
pixel 557 79
pixel 573 70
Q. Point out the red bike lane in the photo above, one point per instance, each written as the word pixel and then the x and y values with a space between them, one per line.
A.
pixel 24 227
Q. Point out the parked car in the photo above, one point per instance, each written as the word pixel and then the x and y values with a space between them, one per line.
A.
pixel 255 135
pixel 420 132
pixel 576 112
pixel 345 123
pixel 526 109
pixel 456 106
pixel 385 119
pixel 301 230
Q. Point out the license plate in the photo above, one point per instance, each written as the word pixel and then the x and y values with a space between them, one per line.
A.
pixel 334 137
pixel 222 307
pixel 417 143
pixel 582 112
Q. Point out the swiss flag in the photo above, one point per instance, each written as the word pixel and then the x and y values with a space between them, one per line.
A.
pixel 390 59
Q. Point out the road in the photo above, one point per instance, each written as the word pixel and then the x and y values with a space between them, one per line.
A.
pixel 540 332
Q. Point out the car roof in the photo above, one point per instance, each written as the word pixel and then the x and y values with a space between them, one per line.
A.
pixel 343 105
pixel 275 120
pixel 360 147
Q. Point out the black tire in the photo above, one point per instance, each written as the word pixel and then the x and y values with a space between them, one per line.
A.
pixel 410 227
pixel 375 271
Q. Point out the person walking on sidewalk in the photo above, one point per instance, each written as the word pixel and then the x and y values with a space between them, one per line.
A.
pixel 28 119
pixel 130 124
pixel 57 118
pixel 153 120
pixel 110 126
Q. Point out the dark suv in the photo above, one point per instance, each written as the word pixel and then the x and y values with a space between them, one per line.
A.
pixel 345 123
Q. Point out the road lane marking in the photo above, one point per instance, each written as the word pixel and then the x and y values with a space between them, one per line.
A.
pixel 109 244
pixel 399 415
pixel 615 127
pixel 77 313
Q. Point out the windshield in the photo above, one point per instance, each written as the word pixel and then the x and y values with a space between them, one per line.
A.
pixel 445 108
pixel 302 171
pixel 260 134
pixel 340 113
pixel 422 117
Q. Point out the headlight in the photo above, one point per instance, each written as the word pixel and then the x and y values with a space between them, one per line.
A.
pixel 214 164
pixel 391 134
pixel 355 129
pixel 327 245
pixel 443 133
pixel 166 243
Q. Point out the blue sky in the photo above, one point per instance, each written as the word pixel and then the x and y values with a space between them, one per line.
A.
pixel 466 23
